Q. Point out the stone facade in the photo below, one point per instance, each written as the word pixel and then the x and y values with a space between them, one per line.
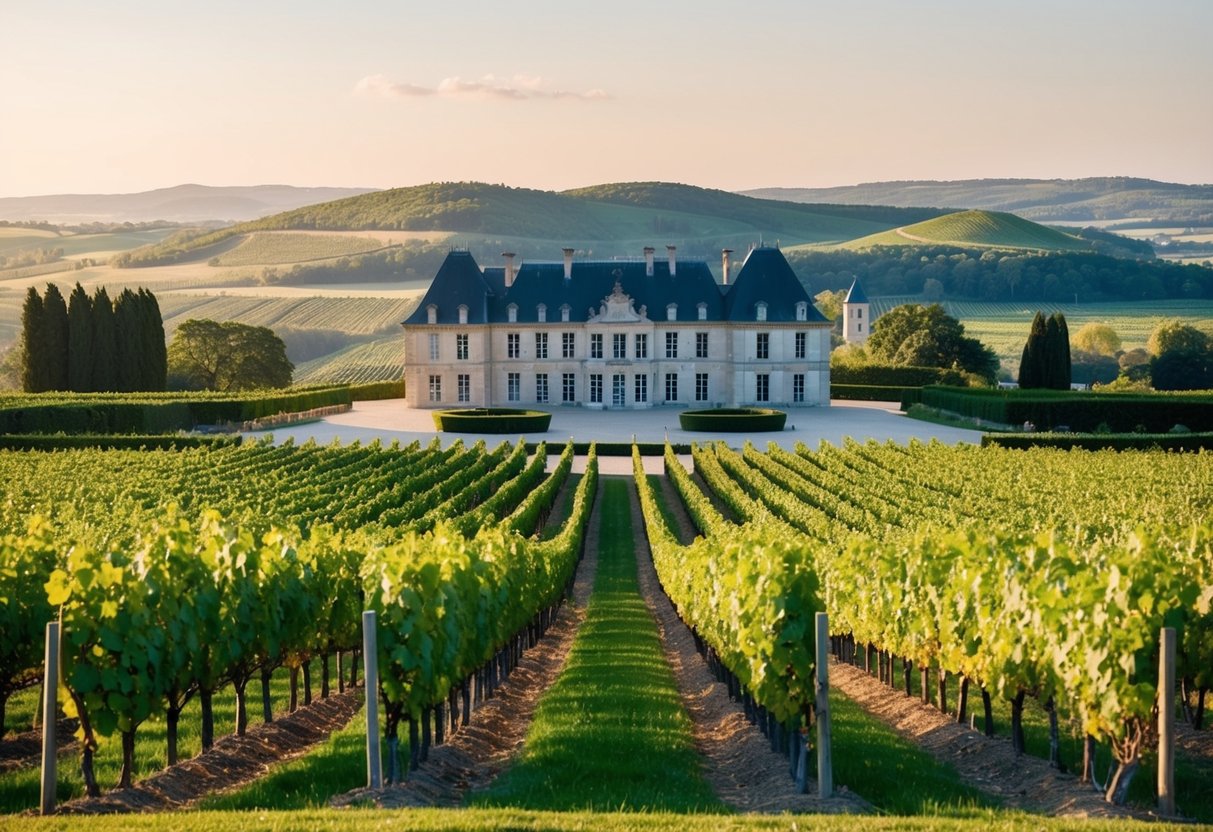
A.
pixel 666 335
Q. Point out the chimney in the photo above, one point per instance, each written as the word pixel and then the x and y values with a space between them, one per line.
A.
pixel 568 263
pixel 648 261
pixel 509 268
pixel 724 263
pixel 670 249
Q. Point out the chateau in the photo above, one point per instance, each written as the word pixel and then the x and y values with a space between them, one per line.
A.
pixel 616 334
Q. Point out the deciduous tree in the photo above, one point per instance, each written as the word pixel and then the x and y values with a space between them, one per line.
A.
pixel 207 355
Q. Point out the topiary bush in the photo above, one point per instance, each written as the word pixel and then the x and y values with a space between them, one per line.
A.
pixel 492 420
pixel 733 420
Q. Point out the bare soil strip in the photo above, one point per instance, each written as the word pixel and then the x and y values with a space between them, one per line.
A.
pixel 1192 742
pixel 233 761
pixel 986 763
pixel 482 749
pixel 738 761
pixel 23 750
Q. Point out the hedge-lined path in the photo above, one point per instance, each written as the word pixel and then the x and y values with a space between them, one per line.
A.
pixel 479 751
pixel 738 761
pixel 611 734
pixel 987 763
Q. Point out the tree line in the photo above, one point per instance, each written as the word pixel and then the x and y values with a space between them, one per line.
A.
pixel 1002 275
pixel 92 344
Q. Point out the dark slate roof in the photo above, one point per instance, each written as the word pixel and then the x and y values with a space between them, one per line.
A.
pixel 856 294
pixel 459 282
pixel 766 277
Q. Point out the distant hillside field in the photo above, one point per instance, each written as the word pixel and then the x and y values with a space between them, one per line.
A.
pixel 1097 199
pixel 626 216
pixel 981 229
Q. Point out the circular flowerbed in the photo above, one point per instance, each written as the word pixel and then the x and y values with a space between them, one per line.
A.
pixel 733 420
pixel 491 420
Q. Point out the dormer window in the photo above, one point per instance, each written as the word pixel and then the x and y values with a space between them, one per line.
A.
pixel 463 314
pixel 671 312
pixel 802 311
pixel 703 311
pixel 511 313
pixel 431 314
pixel 760 309
pixel 564 313
pixel 542 313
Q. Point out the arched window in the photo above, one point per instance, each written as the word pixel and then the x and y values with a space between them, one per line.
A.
pixel 760 309
pixel 671 312
pixel 463 314
pixel 542 312
pixel 564 313
pixel 703 311
pixel 511 312
pixel 802 311
pixel 431 314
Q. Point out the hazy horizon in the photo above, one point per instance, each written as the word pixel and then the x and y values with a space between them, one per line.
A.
pixel 132 96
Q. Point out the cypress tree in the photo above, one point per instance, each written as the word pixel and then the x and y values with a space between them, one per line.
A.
pixel 33 340
pixel 1063 372
pixel 128 343
pixel 104 343
pixel 1049 356
pixel 155 348
pixel 54 310
pixel 79 341
pixel 1030 372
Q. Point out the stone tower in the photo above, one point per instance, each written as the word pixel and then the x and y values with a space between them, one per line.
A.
pixel 856 315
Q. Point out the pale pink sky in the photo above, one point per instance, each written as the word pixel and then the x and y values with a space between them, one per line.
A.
pixel 125 96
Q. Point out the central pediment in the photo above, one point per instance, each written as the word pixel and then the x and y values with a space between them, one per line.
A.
pixel 618 307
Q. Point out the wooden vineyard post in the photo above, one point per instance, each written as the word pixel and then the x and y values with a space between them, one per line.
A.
pixel 370 684
pixel 1166 723
pixel 50 714
pixel 825 770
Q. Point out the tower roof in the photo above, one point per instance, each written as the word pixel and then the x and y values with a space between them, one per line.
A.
pixel 856 293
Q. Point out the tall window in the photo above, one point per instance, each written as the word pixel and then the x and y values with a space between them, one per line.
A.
pixel 858 312
pixel 798 387
pixel 619 345
pixel 569 388
pixel 596 345
pixel 802 311
pixel 464 383
pixel 760 311
pixel 763 387
pixel 511 313
pixel 541 345
pixel 512 345
pixel 542 312
pixel 596 388
pixel 703 311
pixel 541 387
pixel 642 345
pixel 671 387
pixel 801 342
pixel 568 343
pixel 513 386
pixel 762 347
pixel 435 388
pixel 701 345
pixel 671 345
pixel 642 387
pixel 701 387
pixel 461 348
pixel 433 346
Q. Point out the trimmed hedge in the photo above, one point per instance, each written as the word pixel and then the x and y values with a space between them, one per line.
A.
pixel 889 375
pixel 731 420
pixel 619 448
pixel 377 391
pixel 1102 441
pixel 61 442
pixel 491 420
pixel 1079 411
pixel 874 393
pixel 156 413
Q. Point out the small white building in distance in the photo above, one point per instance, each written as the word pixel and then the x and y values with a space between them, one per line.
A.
pixel 616 334
pixel 856 315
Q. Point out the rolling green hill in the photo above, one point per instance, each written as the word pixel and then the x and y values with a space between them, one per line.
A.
pixel 587 218
pixel 975 229
pixel 1095 199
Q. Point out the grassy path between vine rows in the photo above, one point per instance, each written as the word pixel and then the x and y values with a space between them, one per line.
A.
pixel 611 734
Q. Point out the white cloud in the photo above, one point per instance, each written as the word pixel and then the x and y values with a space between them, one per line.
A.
pixel 517 88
